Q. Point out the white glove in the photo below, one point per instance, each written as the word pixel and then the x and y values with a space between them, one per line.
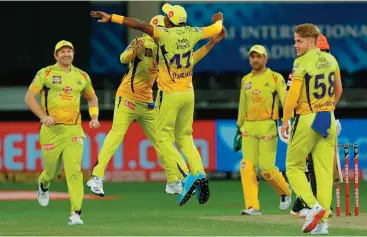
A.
pixel 286 141
pixel 338 127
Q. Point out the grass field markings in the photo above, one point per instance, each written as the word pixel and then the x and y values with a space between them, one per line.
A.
pixel 343 222
pixel 21 195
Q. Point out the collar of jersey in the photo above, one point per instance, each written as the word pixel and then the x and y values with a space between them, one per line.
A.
pixel 311 50
pixel 56 65
pixel 266 72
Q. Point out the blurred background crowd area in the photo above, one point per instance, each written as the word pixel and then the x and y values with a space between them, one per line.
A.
pixel 31 32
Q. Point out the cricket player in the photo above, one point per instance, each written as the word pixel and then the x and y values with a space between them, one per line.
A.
pixel 61 136
pixel 134 101
pixel 261 92
pixel 311 95
pixel 176 98
pixel 299 209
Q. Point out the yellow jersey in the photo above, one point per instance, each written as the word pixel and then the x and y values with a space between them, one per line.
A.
pixel 137 83
pixel 60 92
pixel 260 96
pixel 317 71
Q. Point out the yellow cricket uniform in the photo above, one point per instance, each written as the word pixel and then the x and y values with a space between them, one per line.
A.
pixel 63 143
pixel 176 97
pixel 260 97
pixel 311 95
pixel 134 101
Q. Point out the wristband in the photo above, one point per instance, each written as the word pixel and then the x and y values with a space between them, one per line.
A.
pixel 117 19
pixel 93 111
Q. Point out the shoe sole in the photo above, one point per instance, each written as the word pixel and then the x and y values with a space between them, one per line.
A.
pixel 314 222
pixel 98 194
pixel 204 191
pixel 171 193
pixel 189 193
pixel 75 224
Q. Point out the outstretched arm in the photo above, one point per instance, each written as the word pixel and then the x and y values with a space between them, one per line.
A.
pixel 204 50
pixel 123 20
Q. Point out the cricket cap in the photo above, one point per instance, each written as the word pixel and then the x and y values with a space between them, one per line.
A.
pixel 258 49
pixel 175 13
pixel 63 43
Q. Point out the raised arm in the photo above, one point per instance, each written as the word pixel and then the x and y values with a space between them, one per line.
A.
pixel 123 20
pixel 204 50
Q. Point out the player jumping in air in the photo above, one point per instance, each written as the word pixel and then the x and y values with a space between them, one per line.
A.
pixel 261 92
pixel 311 94
pixel 176 98
pixel 61 136
pixel 134 101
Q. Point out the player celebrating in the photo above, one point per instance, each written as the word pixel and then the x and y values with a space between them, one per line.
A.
pixel 311 94
pixel 176 100
pixel 258 111
pixel 61 135
pixel 299 208
pixel 134 101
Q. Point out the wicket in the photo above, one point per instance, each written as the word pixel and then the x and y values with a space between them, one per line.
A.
pixel 346 182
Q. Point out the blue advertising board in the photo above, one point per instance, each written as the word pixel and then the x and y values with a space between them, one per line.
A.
pixel 353 131
pixel 272 25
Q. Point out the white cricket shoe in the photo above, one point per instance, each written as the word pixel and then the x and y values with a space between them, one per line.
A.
pixel 322 228
pixel 285 202
pixel 251 211
pixel 174 188
pixel 75 219
pixel 313 217
pixel 43 197
pixel 96 185
pixel 302 213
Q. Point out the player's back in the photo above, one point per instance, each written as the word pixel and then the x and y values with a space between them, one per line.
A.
pixel 137 83
pixel 318 69
pixel 176 57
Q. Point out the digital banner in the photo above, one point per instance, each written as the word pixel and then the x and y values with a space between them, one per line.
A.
pixel 272 25
pixel 354 131
pixel 20 150
pixel 136 160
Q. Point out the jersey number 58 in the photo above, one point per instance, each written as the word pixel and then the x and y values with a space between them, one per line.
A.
pixel 321 85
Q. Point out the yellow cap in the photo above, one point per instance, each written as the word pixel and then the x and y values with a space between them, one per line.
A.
pixel 63 43
pixel 258 49
pixel 175 13
pixel 157 20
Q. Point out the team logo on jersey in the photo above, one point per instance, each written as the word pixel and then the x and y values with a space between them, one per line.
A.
pixel 67 89
pixel 148 52
pixel 256 92
pixel 267 84
pixel 56 79
pixel 79 83
pixel 248 85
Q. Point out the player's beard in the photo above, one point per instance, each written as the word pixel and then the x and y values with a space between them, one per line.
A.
pixel 258 67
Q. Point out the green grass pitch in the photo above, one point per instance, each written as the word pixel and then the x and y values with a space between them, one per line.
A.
pixel 144 209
